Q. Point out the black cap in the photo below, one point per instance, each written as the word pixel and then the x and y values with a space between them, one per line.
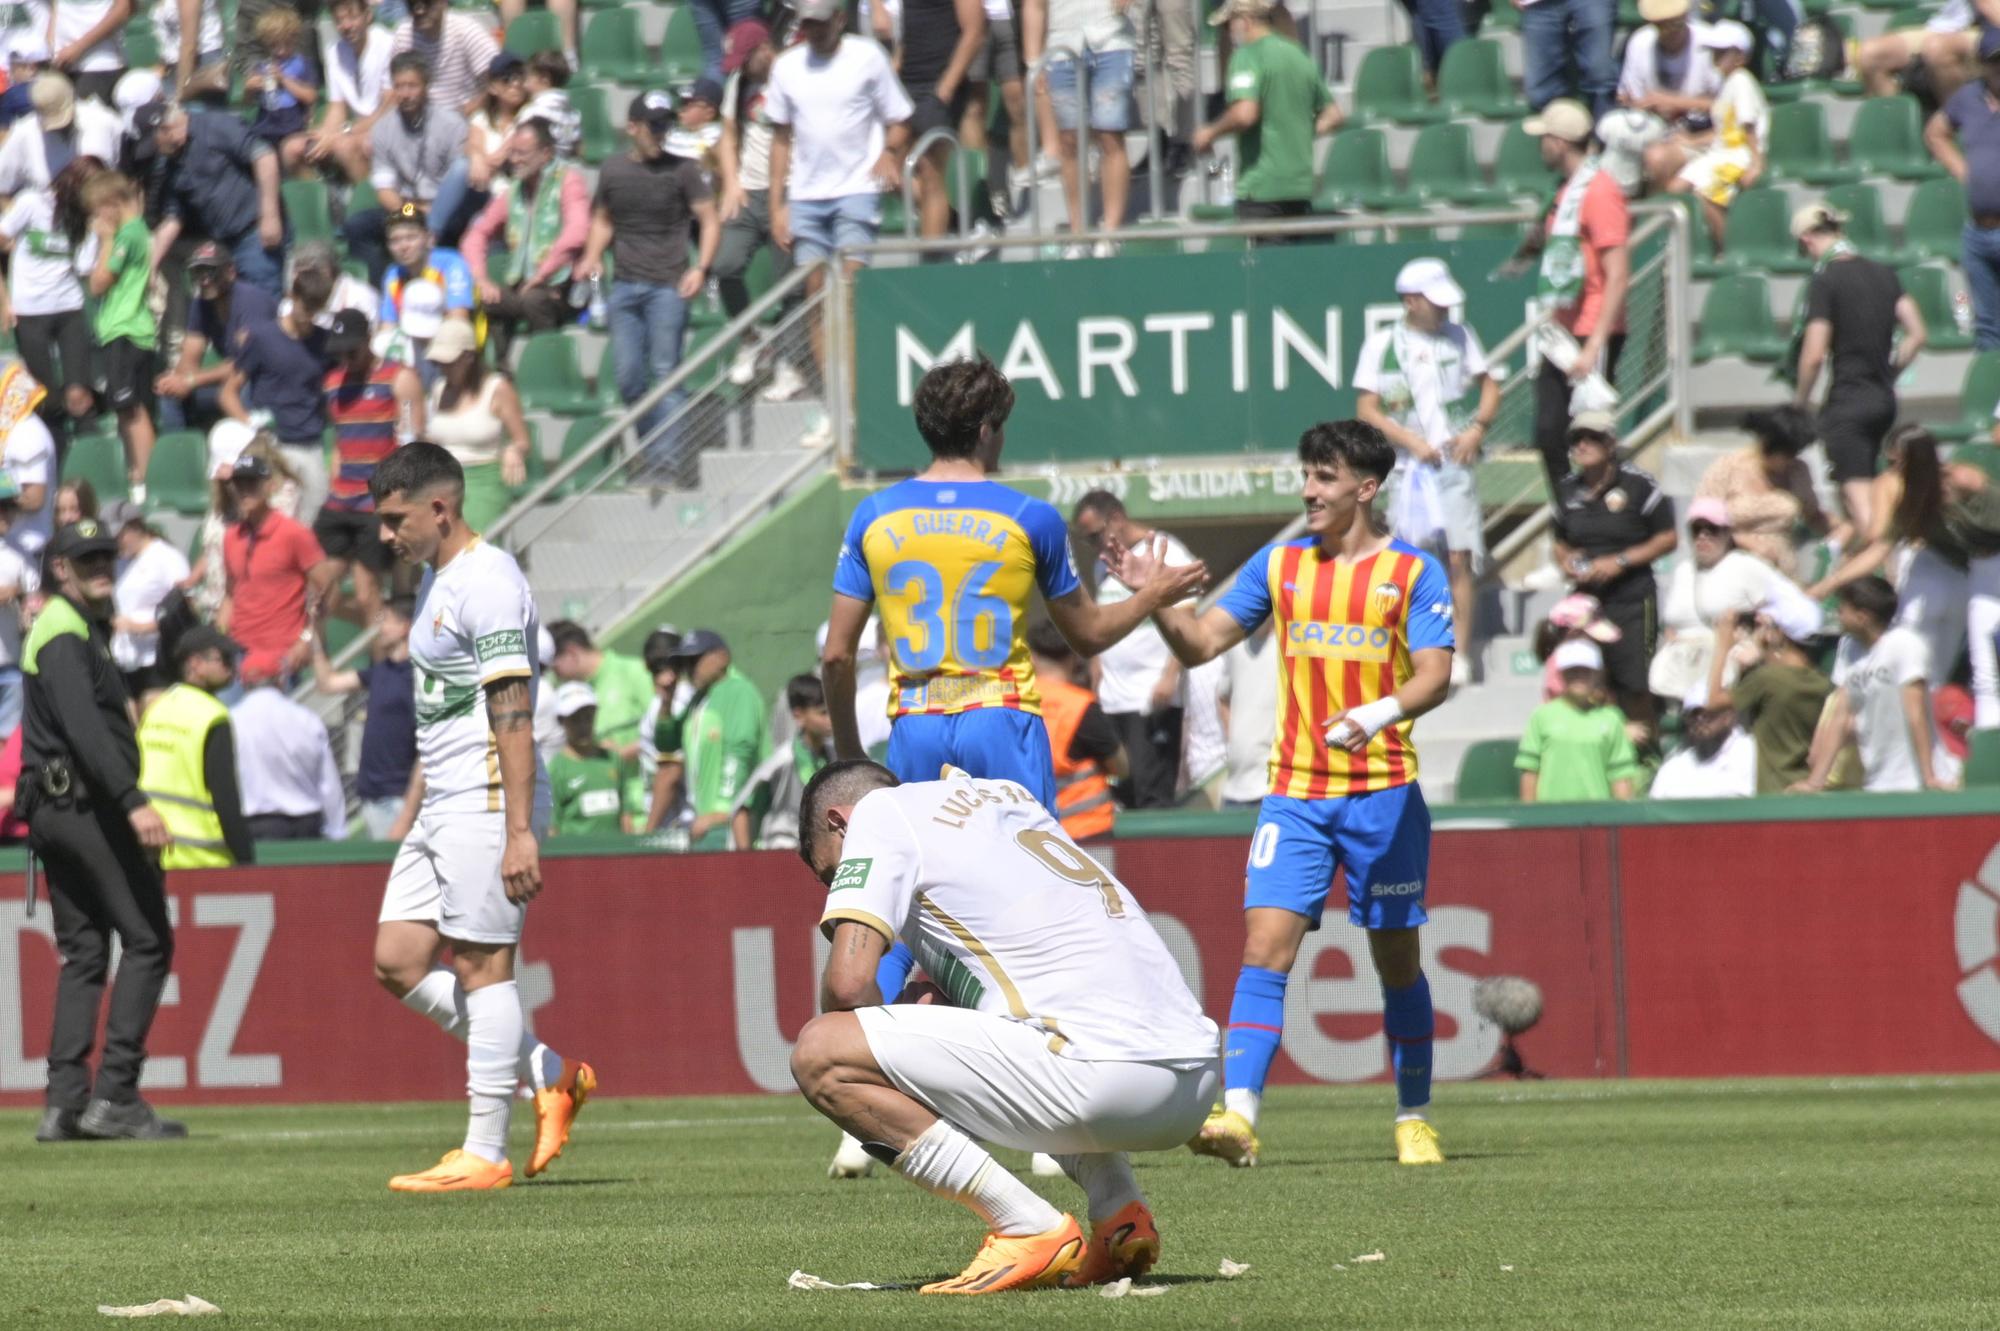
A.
pixel 208 254
pixel 250 467
pixel 504 63
pixel 206 638
pixel 655 108
pixel 348 333
pixel 662 646
pixel 86 536
pixel 148 117
pixel 705 90
pixel 699 643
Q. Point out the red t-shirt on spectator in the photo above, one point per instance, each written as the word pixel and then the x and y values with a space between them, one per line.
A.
pixel 1606 223
pixel 267 570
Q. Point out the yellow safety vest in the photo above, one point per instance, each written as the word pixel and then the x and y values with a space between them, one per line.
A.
pixel 173 777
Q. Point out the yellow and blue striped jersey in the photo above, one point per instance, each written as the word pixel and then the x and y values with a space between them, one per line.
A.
pixel 952 567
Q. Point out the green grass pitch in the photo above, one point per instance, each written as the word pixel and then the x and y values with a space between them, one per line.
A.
pixel 1854 1204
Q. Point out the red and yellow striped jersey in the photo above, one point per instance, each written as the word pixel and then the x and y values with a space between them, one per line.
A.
pixel 1345 635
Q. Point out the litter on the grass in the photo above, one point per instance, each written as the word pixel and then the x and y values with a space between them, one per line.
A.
pixel 191 1306
pixel 1118 1289
pixel 1376 1256
pixel 801 1280
pixel 1506 1268
pixel 1231 1270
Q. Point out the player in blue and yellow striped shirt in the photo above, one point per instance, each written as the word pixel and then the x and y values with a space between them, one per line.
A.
pixel 1365 647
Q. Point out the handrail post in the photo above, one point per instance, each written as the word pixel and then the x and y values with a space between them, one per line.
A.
pixel 1036 73
pixel 916 155
pixel 1156 172
pixel 834 328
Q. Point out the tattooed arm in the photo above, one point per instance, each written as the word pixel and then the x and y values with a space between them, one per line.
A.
pixel 849 981
pixel 510 711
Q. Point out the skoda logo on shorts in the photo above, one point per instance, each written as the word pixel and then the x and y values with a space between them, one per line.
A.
pixel 1976 928
pixel 1397 889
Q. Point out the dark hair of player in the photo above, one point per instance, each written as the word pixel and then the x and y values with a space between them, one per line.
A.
pixel 1045 639
pixel 803 692
pixel 568 633
pixel 402 607
pixel 1365 450
pixel 1873 597
pixel 416 469
pixel 836 784
pixel 958 399
pixel 1101 502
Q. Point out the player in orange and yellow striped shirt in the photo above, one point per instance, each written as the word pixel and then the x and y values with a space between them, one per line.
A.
pixel 1365 633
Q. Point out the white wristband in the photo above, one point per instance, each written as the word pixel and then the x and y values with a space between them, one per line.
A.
pixel 1370 718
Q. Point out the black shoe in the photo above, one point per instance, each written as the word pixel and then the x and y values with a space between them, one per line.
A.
pixel 134 1119
pixel 59 1125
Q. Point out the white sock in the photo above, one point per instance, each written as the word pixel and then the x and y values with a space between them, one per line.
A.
pixel 1421 1114
pixel 1106 1179
pixel 439 998
pixel 952 1165
pixel 492 1054
pixel 1243 1102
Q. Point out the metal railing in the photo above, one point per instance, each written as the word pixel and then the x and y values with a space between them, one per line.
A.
pixel 911 223
pixel 1037 74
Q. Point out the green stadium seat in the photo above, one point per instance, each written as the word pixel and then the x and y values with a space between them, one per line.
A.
pixel 1702 240
pixel 1146 240
pixel 1910 16
pixel 550 378
pixel 1356 173
pixel 1934 224
pixel 308 208
pixel 1390 86
pixel 1518 168
pixel 602 4
pixel 612 49
pixel 599 139
pixel 896 220
pixel 1473 81
pixel 177 473
pixel 1984 455
pixel 141 44
pixel 1976 399
pixel 1887 139
pixel 1982 764
pixel 1865 227
pixel 1443 166
pixel 535 30
pixel 1801 148
pixel 1504 18
pixel 1759 235
pixel 100 459
pixel 1736 321
pixel 1487 773
pixel 1930 287
pixel 680 46
pixel 581 432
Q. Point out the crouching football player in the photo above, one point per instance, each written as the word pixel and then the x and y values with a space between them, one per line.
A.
pixel 1065 1025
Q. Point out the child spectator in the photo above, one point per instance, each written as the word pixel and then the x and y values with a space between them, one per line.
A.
pixel 547 75
pixel 1718 163
pixel 585 776
pixel 127 332
pixel 767 812
pixel 1576 747
pixel 284 86
pixel 699 127
pixel 1882 699
pixel 1577 617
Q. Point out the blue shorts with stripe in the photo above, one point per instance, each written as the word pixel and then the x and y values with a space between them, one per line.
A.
pixel 1382 838
pixel 992 743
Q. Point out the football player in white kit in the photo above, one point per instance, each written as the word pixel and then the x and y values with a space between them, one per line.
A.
pixel 464 875
pixel 1059 1020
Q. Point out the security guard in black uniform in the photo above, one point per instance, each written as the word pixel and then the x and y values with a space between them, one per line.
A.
pixel 100 841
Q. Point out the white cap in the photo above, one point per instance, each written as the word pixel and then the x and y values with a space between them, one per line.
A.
pixel 1792 612
pixel 573 697
pixel 545 647
pixel 226 442
pixel 28 48
pixel 1727 35
pixel 422 309
pixel 1696 698
pixel 1432 280
pixel 1579 654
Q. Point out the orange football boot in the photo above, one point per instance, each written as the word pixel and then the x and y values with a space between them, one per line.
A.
pixel 1125 1245
pixel 459 1171
pixel 1032 1261
pixel 555 1113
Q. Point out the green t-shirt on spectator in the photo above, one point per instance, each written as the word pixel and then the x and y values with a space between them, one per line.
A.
pixel 1575 754
pixel 1781 706
pixel 587 795
pixel 624 689
pixel 725 736
pixel 121 311
pixel 1277 151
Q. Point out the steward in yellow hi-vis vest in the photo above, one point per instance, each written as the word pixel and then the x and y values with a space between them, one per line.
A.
pixel 187 760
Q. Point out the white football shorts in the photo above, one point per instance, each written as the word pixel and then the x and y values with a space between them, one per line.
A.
pixel 996 1081
pixel 447 873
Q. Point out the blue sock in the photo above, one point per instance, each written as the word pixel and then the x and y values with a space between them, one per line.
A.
pixel 892 972
pixel 1407 1021
pixel 1256 1020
